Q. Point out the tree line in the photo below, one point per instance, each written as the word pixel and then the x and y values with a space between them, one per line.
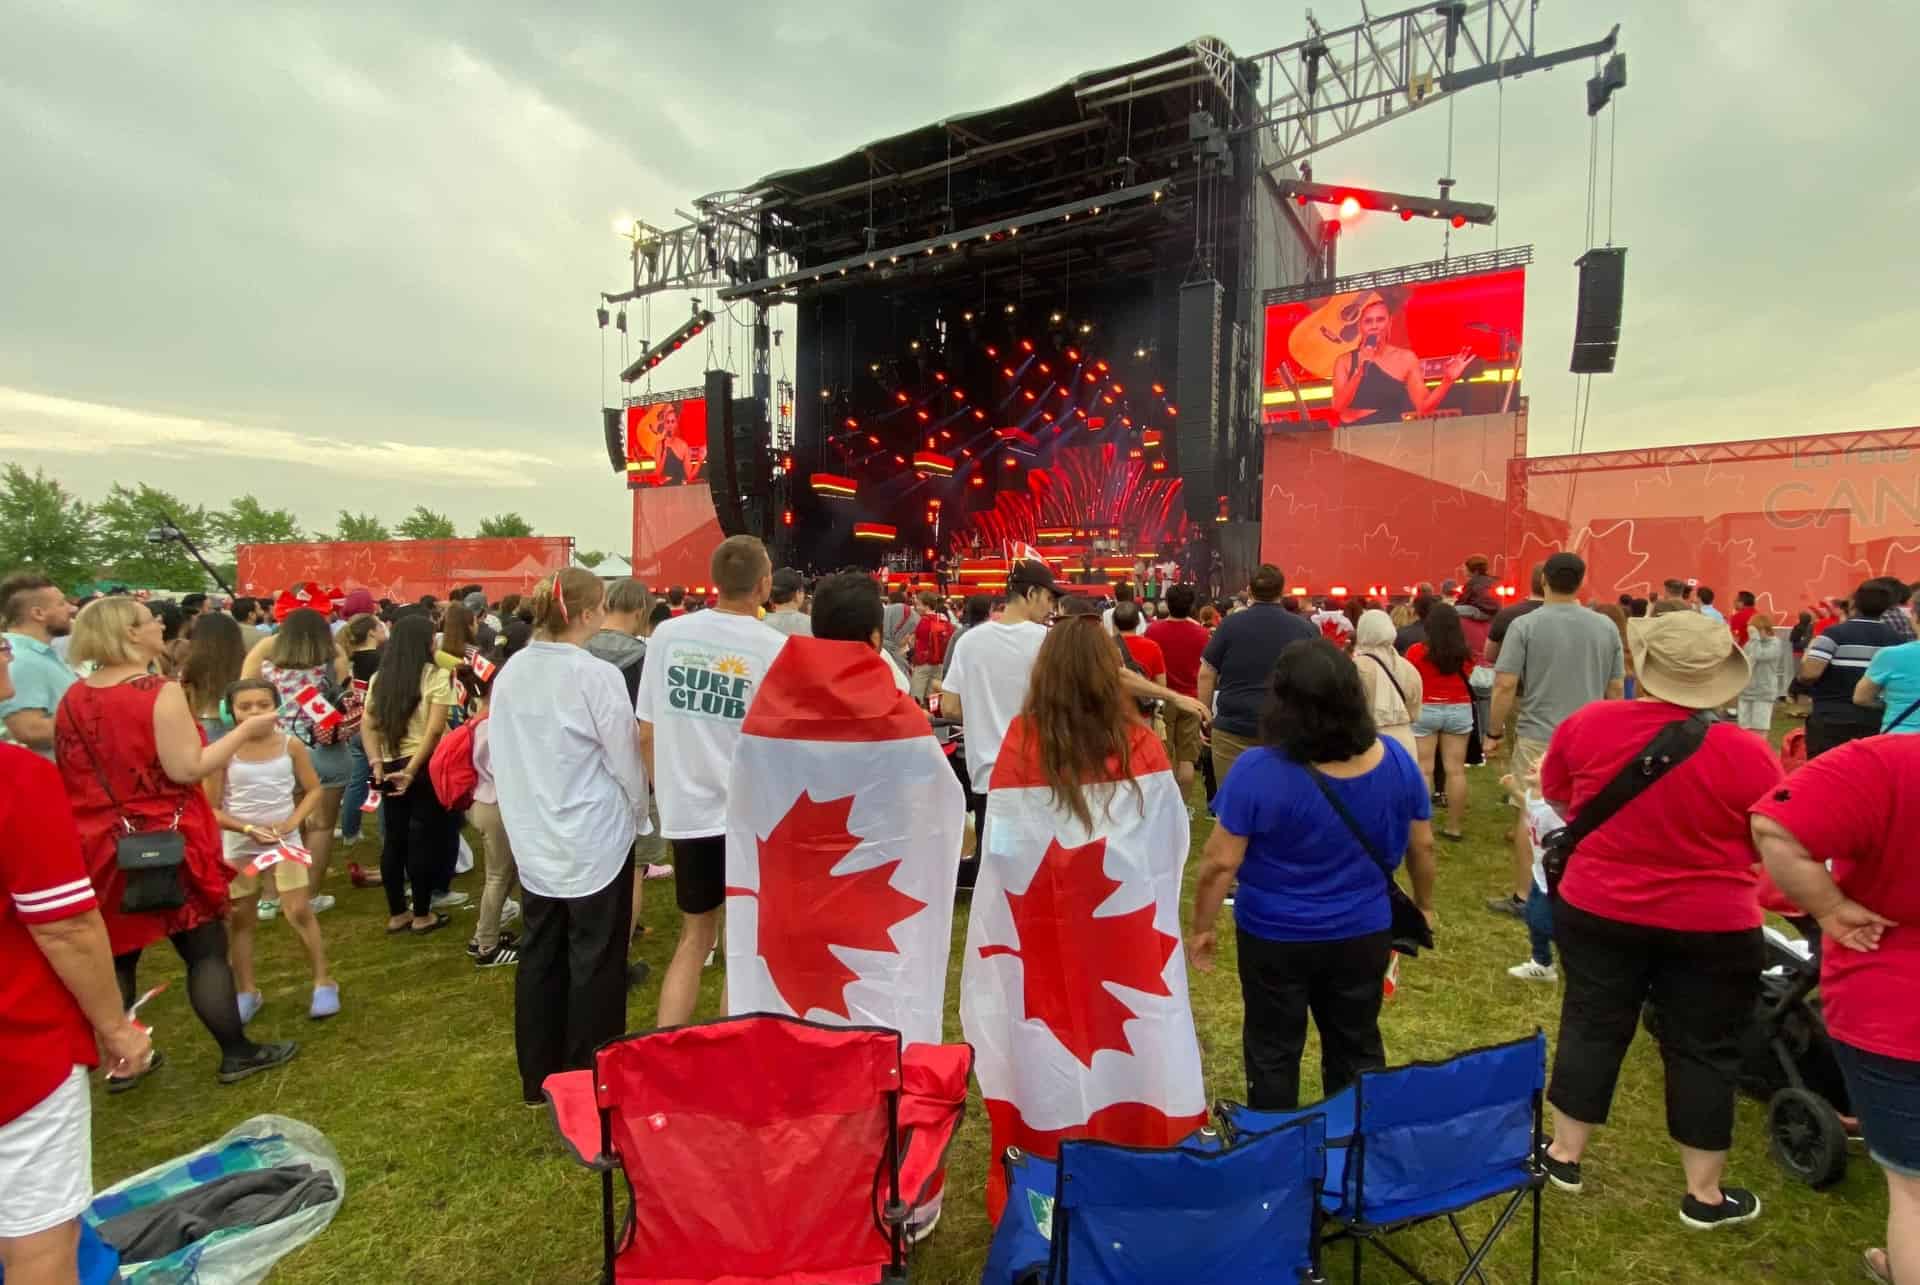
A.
pixel 45 526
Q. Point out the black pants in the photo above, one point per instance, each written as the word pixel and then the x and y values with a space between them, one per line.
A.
pixel 209 986
pixel 1825 733
pixel 1702 984
pixel 1339 982
pixel 413 846
pixel 571 994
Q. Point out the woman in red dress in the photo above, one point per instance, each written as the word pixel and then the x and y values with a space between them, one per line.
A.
pixel 131 755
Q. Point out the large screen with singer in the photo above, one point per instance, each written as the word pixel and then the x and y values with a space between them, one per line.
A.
pixel 667 439
pixel 1389 354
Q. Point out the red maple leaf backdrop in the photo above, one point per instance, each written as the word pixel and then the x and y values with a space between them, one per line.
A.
pixel 806 909
pixel 1070 956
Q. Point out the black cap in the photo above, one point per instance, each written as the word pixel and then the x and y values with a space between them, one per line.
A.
pixel 1028 574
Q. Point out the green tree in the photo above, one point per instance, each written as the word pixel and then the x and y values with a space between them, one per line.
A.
pixel 128 515
pixel 589 558
pixel 361 527
pixel 247 521
pixel 505 524
pixel 44 526
pixel 424 524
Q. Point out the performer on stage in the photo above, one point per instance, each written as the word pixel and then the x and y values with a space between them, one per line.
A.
pixel 657 437
pixel 1379 382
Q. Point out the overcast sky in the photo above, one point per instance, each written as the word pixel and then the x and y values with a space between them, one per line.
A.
pixel 347 257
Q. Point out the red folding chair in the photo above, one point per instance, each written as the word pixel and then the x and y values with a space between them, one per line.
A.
pixel 762 1149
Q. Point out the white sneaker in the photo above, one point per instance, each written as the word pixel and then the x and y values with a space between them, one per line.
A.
pixel 269 908
pixel 509 911
pixel 450 900
pixel 323 902
pixel 1532 972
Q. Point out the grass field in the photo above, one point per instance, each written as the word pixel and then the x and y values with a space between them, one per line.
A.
pixel 451 1180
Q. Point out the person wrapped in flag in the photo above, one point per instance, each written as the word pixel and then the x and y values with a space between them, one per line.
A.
pixel 260 800
pixel 1073 990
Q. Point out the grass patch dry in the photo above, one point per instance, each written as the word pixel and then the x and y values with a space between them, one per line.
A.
pixel 451 1180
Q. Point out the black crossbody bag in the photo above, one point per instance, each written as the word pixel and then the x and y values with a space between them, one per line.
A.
pixel 1411 931
pixel 1661 755
pixel 150 859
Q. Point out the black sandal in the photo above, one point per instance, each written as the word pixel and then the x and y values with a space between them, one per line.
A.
pixel 122 1083
pixel 440 920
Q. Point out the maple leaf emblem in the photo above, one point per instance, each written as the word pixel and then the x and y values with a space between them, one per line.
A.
pixel 1070 958
pixel 806 909
pixel 732 666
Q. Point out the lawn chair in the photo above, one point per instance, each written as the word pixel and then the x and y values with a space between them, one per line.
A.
pixel 1106 1214
pixel 763 1148
pixel 1414 1143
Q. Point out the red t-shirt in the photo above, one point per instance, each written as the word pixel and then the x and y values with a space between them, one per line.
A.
pixel 1181 642
pixel 1739 621
pixel 1679 855
pixel 930 638
pixel 1148 655
pixel 1439 688
pixel 1856 807
pixel 43 1033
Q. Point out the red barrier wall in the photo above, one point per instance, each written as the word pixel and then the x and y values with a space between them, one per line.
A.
pixel 404 569
pixel 674 535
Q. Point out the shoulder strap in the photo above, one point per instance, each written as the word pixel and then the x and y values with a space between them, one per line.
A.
pixel 1661 755
pixel 1346 816
pixel 93 760
pixel 1388 671
pixel 1905 714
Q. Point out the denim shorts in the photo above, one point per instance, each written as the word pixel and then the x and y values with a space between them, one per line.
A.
pixel 1455 719
pixel 1886 1096
pixel 333 764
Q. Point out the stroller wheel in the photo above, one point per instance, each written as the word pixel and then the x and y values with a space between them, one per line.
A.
pixel 1806 1137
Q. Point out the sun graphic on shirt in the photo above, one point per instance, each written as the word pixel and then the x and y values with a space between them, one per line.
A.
pixel 732 666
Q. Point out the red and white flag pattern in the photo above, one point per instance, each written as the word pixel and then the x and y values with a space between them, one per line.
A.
pixel 317 708
pixel 1073 989
pixel 844 822
pixel 482 667
pixel 286 850
pixel 1021 551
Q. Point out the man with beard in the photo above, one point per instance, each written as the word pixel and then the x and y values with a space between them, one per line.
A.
pixel 35 613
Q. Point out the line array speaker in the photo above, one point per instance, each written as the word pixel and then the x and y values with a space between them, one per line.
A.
pixel 612 425
pixel 722 473
pixel 1596 319
pixel 1197 385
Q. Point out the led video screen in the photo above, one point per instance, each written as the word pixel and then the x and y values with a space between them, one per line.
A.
pixel 667 439
pixel 1394 353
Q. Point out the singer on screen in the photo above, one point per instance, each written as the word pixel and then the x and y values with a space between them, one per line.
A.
pixel 1379 382
pixel 657 438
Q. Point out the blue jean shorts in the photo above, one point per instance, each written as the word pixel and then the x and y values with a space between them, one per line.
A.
pixel 1886 1096
pixel 1454 719
pixel 333 764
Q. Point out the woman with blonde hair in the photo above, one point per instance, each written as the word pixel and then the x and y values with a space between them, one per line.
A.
pixel 564 755
pixel 132 759
pixel 1767 653
pixel 1393 686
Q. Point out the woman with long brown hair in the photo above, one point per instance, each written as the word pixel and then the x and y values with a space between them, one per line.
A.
pixel 302 660
pixel 215 655
pixel 1084 814
pixel 406 714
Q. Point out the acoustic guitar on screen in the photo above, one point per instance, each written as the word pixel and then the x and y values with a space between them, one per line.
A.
pixel 1349 340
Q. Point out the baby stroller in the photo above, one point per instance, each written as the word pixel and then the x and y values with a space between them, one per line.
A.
pixel 1787 1062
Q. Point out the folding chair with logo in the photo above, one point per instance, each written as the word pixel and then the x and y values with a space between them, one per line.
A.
pixel 763 1148
pixel 1106 1214
pixel 1411 1144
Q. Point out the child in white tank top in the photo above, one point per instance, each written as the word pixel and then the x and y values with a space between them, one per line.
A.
pixel 260 799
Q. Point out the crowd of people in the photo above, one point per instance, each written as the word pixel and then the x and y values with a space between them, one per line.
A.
pixel 185 770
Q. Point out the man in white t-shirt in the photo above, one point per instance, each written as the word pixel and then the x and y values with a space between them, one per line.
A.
pixel 1122 592
pixel 699 678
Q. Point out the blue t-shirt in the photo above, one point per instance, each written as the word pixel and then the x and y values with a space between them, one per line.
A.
pixel 1305 877
pixel 1896 672
pixel 1243 651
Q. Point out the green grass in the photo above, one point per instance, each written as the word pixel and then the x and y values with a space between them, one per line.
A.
pixel 450 1180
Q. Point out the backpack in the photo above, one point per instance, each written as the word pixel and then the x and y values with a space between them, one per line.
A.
pixel 451 768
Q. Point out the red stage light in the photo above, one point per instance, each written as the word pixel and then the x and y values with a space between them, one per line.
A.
pixel 1073 354
pixel 901 398
pixel 922 415
pixel 1159 466
pixel 1159 390
pixel 1459 220
pixel 1300 199
pixel 940 376
pixel 1045 369
pixel 1349 206
pixel 873 439
pixel 899 459
pixel 1007 371
pixel 979 481
pixel 1092 378
pixel 979 414
pixel 852 423
pixel 1174 411
pixel 992 351
pixel 1026 345
pixel 1008 461
pixel 786 517
pixel 1406 216
pixel 1134 454
pixel 1338 591
pixel 945 434
pixel 959 394
pixel 1118 389
pixel 934 505
pixel 1029 394
pixel 1108 399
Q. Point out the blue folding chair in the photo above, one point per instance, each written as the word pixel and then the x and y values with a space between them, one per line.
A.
pixel 1414 1143
pixel 1105 1214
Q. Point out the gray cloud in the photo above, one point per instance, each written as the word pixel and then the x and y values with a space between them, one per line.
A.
pixel 370 240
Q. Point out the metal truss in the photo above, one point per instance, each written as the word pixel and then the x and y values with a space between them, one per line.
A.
pixel 1335 85
pixel 718 245
pixel 1866 444
pixel 1513 256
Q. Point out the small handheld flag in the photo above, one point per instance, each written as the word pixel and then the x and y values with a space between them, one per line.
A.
pixel 317 708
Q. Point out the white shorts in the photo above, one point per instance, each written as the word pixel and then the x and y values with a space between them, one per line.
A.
pixel 46 1160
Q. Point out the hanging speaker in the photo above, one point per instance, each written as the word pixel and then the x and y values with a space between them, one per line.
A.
pixel 1596 320
pixel 1197 385
pixel 723 477
pixel 612 424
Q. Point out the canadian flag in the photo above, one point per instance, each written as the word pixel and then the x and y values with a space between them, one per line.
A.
pixel 1073 989
pixel 316 707
pixel 286 850
pixel 1020 551
pixel 844 822
pixel 482 667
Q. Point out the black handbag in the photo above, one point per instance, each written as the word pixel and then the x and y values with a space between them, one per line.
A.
pixel 150 860
pixel 1661 755
pixel 1411 931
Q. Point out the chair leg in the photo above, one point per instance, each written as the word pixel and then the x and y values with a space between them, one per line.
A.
pixel 1536 1232
pixel 1356 1259
pixel 1478 1256
pixel 1453 1221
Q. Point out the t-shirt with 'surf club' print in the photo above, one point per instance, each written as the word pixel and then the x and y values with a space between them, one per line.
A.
pixel 700 676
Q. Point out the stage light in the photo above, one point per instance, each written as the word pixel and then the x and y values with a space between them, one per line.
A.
pixel 1092 378
pixel 1026 345
pixel 825 393
pixel 786 517
pixel 1406 216
pixel 1159 390
pixel 1349 207
pixel 1056 318
pixel 1008 461
pixel 1173 412
pixel 979 414
pixel 978 480
pixel 1459 220
pixel 1007 371
pixel 1338 591
pixel 1045 369
pixel 954 246
pixel 966 316
pixel 921 415
pixel 1101 366
pixel 873 368
pixel 1086 327
pixel 1134 454
pixel 894 259
pixel 1118 389
pixel 901 398
pixel 1300 200
pixel 1028 394
pixel 852 422
pixel 1140 353
pixel 992 351
pixel 604 317
pixel 1157 194
pixel 914 345
pixel 1010 310
pixel 871 438
pixel 1073 354
pixel 623 226
pixel 1159 466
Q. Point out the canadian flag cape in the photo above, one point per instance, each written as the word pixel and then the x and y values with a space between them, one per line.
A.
pixel 844 822
pixel 1073 990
